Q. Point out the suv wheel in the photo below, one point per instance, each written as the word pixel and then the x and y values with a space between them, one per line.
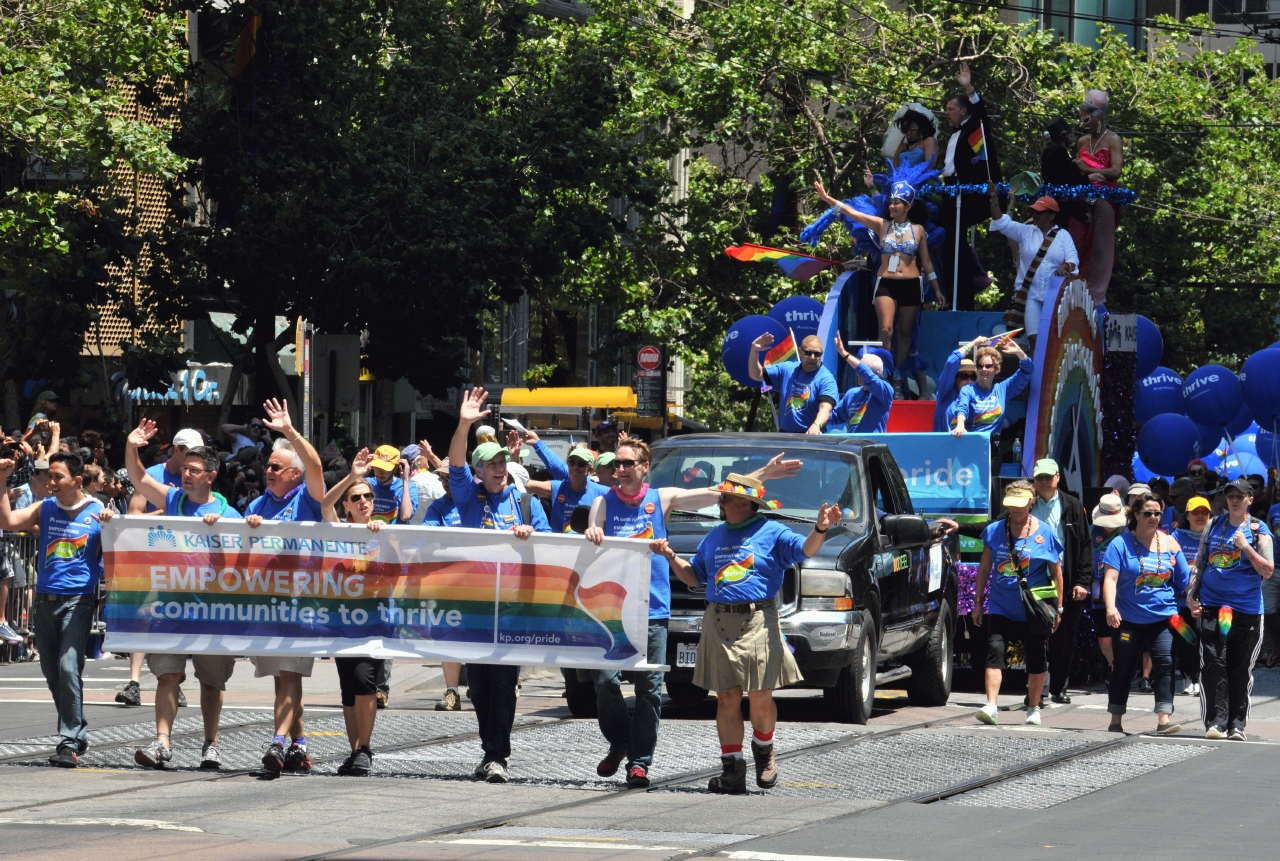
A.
pixel 931 667
pixel 580 695
pixel 685 693
pixel 851 699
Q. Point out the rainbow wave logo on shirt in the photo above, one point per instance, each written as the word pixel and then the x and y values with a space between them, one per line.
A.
pixel 67 548
pixel 856 418
pixel 645 533
pixel 1007 569
pixel 1224 558
pixel 735 572
pixel 988 416
pixel 1152 579
pixel 797 402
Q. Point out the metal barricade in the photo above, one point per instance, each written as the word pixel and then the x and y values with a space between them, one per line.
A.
pixel 19 549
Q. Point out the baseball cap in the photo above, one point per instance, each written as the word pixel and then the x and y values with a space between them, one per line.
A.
pixel 40 466
pixel 1183 487
pixel 1109 512
pixel 385 457
pixel 606 459
pixel 188 437
pixel 1240 484
pixel 1138 487
pixel 1044 466
pixel 410 452
pixel 46 395
pixel 606 424
pixel 583 454
pixel 1045 203
pixel 1018 497
pixel 1198 502
pixel 486 452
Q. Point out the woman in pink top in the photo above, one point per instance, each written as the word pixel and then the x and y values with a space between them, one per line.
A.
pixel 1101 158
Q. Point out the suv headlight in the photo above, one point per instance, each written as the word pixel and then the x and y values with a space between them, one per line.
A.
pixel 823 584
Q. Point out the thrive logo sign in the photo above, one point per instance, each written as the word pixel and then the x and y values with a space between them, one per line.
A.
pixel 161 537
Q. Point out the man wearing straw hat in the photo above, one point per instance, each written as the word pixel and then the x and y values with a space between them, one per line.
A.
pixel 741 562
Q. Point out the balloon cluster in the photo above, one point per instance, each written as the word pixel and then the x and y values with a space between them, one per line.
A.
pixel 798 315
pixel 1184 419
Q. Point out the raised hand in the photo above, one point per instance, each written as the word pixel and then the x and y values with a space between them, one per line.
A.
pixel 360 466
pixel 868 179
pixel 963 78
pixel 513 444
pixel 822 191
pixel 764 342
pixel 7 465
pixel 828 516
pixel 779 468
pixel 405 467
pixel 277 417
pixel 530 438
pixel 142 434
pixel 840 348
pixel 472 408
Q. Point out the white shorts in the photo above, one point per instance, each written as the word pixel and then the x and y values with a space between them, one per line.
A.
pixel 267 665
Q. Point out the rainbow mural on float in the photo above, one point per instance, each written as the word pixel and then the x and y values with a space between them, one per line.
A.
pixel 177 585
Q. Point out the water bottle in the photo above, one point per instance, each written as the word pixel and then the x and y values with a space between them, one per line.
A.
pixel 1017 451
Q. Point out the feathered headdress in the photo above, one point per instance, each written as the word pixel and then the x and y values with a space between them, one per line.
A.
pixel 906 179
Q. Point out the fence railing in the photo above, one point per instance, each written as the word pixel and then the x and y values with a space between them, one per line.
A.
pixel 19 548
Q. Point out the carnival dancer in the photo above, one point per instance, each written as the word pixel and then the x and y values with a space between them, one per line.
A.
pixel 357 676
pixel 633 509
pixel 1101 159
pixel 1225 594
pixel 1144 569
pixel 490 504
pixel 69 568
pixel 918 143
pixel 808 390
pixel 741 648
pixel 864 408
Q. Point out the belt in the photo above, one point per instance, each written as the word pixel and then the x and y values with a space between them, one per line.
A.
pixel 58 599
pixel 749 607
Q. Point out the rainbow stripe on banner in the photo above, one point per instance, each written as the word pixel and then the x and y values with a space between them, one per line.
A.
pixel 176 585
pixel 797 266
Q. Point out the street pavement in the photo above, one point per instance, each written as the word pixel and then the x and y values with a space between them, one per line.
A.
pixel 846 792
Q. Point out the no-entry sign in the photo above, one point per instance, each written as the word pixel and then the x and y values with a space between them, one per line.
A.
pixel 650 358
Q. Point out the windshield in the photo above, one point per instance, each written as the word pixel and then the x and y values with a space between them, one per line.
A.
pixel 827 476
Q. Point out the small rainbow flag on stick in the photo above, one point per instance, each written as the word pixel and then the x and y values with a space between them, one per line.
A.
pixel 785 351
pixel 978 143
pixel 1180 625
pixel 797 266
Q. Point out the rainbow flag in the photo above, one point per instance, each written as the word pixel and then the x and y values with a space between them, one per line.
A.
pixel 1225 617
pixel 797 266
pixel 978 143
pixel 1180 625
pixel 784 351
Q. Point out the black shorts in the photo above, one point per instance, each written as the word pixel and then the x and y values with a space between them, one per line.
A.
pixel 358 677
pixel 903 291
pixel 1002 629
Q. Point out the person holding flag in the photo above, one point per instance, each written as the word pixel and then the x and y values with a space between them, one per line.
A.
pixel 809 391
pixel 864 408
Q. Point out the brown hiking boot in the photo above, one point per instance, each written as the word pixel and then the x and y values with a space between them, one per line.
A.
pixel 733 781
pixel 766 765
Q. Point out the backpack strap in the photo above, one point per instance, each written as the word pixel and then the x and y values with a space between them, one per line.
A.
pixel 526 508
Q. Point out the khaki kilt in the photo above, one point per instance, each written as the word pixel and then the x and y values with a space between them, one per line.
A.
pixel 744 650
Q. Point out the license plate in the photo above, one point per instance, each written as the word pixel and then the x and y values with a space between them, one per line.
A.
pixel 686 654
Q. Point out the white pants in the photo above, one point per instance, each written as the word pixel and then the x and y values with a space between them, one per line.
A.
pixel 1031 320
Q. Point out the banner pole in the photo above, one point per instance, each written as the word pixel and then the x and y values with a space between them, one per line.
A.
pixel 955 266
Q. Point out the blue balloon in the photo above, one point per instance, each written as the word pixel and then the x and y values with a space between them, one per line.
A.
pixel 1242 423
pixel 737 344
pixel 800 314
pixel 1267 447
pixel 1260 385
pixel 1243 467
pixel 1141 473
pixel 1159 392
pixel 1210 439
pixel 1150 347
pixel 1246 442
pixel 1168 442
pixel 1212 395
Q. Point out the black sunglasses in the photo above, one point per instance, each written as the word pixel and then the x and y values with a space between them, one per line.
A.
pixel 817 354
pixel 987 367
pixel 359 497
pixel 967 375
pixel 275 467
pixel 1150 513
pixel 629 464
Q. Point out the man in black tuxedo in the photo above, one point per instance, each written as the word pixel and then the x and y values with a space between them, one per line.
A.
pixel 964 165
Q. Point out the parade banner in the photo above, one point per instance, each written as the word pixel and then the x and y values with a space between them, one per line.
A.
pixel 944 474
pixel 178 586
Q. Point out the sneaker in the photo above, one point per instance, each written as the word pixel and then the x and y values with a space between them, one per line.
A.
pixel 1033 717
pixel 989 714
pixel 481 770
pixel 297 759
pixel 362 762
pixel 1144 685
pixel 65 758
pixel 1061 699
pixel 731 781
pixel 273 759
pixel 210 759
pixel 766 765
pixel 130 695
pixel 9 635
pixel 1214 733
pixel 608 766
pixel 1191 690
pixel 496 772
pixel 450 702
pixel 344 770
pixel 182 699
pixel 1236 735
pixel 1170 728
pixel 154 755
pixel 638 776
pixel 383 698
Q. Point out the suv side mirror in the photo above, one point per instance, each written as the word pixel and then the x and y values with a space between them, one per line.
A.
pixel 905 529
pixel 580 519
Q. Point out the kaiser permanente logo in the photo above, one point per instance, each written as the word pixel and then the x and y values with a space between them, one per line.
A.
pixel 162 537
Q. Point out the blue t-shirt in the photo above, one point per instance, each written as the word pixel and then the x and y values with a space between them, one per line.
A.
pixel 1100 538
pixel 800 391
pixel 1273 518
pixel 946 394
pixel 386 499
pixel 984 411
pixel 1190 543
pixel 178 504
pixel 479 509
pixel 746 563
pixel 162 475
pixel 1037 552
pixel 296 505
pixel 1228 579
pixel 557 467
pixel 70 561
pixel 864 408
pixel 564 499
pixel 645 521
pixel 442 512
pixel 1146 590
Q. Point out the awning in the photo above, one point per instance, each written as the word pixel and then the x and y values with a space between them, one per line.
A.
pixel 569 397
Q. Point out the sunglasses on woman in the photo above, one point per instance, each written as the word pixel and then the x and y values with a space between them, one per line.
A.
pixel 987 367
pixel 1150 513
pixel 360 497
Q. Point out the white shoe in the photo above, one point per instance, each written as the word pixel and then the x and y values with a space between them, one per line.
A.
pixel 1033 717
pixel 1191 690
pixel 1214 733
pixel 989 714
